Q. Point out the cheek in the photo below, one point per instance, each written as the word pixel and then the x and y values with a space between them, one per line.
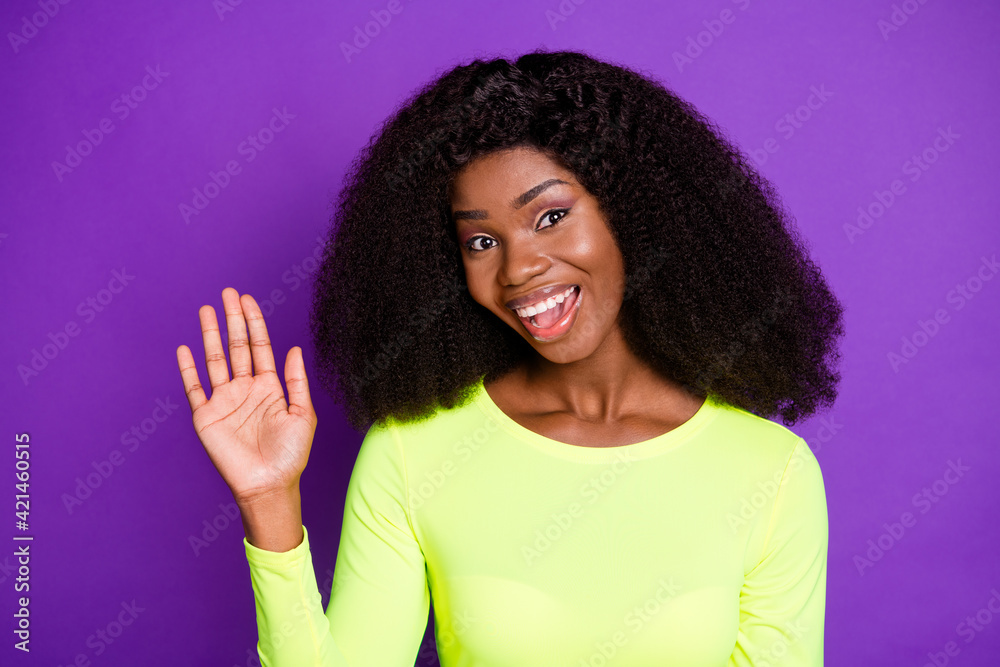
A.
pixel 596 253
pixel 590 251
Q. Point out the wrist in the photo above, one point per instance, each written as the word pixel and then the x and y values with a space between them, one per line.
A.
pixel 273 521
pixel 272 497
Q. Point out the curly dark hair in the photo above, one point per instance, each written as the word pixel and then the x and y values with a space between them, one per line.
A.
pixel 721 295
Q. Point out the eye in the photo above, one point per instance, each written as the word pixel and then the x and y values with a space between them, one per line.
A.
pixel 556 211
pixel 468 244
pixel 561 212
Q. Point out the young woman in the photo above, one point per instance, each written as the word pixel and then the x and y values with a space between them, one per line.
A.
pixel 561 307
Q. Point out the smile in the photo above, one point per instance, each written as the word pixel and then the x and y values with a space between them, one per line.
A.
pixel 552 318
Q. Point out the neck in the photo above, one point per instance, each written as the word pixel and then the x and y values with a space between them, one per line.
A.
pixel 609 384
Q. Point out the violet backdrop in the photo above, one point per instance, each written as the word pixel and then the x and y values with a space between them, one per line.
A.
pixel 875 120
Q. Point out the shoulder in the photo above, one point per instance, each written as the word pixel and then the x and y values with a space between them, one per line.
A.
pixel 754 454
pixel 745 435
pixel 428 437
pixel 770 483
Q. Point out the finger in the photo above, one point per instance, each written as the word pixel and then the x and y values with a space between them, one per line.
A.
pixel 299 401
pixel 215 358
pixel 189 375
pixel 260 344
pixel 239 346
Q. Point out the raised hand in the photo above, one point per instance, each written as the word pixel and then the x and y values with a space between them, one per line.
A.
pixel 259 443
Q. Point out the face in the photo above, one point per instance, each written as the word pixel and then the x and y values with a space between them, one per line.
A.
pixel 532 235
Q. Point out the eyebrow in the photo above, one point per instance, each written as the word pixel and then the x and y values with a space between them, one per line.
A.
pixel 518 202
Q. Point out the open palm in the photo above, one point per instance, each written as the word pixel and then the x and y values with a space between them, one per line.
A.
pixel 259 443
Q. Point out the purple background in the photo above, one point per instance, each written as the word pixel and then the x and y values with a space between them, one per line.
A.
pixel 891 436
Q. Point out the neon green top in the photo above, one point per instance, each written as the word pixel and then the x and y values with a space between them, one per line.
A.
pixel 706 545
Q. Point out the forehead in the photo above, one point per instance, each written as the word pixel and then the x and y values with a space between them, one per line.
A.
pixel 503 174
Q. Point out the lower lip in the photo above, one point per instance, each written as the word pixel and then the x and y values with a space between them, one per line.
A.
pixel 559 328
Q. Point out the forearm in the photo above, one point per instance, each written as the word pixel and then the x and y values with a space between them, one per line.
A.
pixel 273 522
pixel 292 629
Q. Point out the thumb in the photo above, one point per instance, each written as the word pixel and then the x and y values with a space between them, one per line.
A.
pixel 298 385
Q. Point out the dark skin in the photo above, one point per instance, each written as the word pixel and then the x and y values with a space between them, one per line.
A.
pixel 584 387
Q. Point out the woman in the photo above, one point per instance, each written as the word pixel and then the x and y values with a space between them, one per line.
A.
pixel 562 308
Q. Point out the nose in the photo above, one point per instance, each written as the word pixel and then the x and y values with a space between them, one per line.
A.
pixel 523 259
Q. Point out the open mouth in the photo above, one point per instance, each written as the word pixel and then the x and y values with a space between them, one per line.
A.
pixel 554 321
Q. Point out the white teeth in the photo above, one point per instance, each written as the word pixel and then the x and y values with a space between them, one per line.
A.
pixel 548 304
pixel 542 306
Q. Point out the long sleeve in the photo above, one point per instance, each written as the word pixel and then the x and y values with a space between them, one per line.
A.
pixel 379 601
pixel 783 598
